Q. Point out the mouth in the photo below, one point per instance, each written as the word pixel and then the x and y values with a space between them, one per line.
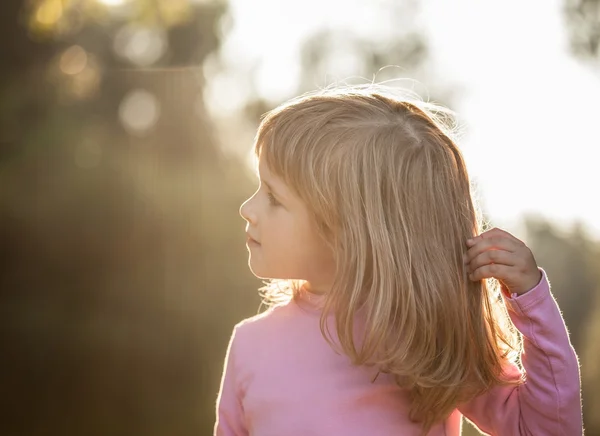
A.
pixel 251 241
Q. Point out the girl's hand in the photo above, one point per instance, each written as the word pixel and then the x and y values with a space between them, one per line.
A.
pixel 498 254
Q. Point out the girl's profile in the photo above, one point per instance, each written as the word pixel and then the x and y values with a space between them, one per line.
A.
pixel 392 311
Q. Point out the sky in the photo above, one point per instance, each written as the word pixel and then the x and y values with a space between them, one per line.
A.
pixel 529 108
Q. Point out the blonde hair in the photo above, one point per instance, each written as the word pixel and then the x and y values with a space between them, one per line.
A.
pixel 389 191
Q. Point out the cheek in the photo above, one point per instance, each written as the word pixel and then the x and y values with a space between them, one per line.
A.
pixel 314 251
pixel 279 230
pixel 286 251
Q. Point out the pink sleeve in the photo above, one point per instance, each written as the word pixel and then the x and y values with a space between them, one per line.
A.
pixel 549 402
pixel 230 414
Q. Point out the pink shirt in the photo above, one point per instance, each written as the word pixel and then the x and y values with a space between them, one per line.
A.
pixel 282 379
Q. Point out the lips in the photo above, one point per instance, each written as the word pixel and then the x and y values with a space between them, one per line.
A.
pixel 251 240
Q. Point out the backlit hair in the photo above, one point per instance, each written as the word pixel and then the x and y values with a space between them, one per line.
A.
pixel 389 191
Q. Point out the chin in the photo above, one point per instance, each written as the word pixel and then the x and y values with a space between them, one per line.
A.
pixel 263 273
pixel 258 272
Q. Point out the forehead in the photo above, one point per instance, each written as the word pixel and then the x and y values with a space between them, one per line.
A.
pixel 265 173
pixel 261 166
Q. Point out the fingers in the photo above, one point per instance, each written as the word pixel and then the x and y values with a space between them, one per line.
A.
pixel 492 270
pixel 491 256
pixel 481 244
pixel 495 233
pixel 498 254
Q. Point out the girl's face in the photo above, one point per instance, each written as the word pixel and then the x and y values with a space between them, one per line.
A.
pixel 282 239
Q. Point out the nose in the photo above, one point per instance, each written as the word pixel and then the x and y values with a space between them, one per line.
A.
pixel 246 211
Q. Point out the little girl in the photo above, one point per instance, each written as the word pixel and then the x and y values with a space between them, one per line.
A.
pixel 382 318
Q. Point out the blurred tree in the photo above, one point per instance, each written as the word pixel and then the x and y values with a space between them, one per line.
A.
pixel 396 52
pixel 122 272
pixel 572 261
pixel 590 369
pixel 336 54
pixel 583 22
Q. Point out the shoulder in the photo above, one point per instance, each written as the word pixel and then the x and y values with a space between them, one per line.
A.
pixel 258 341
pixel 264 326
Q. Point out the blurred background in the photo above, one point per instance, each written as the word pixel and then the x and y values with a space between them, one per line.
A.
pixel 125 135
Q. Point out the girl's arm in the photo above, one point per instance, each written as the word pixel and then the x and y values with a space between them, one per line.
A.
pixel 549 402
pixel 230 414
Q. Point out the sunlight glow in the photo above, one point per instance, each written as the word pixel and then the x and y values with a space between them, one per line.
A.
pixel 112 2
pixel 529 107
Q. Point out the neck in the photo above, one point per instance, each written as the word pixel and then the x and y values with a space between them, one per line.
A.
pixel 317 288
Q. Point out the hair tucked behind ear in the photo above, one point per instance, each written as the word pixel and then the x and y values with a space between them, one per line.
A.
pixel 390 192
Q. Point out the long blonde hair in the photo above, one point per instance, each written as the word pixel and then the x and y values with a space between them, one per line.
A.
pixel 389 191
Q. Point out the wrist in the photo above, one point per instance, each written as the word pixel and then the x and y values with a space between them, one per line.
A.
pixel 528 285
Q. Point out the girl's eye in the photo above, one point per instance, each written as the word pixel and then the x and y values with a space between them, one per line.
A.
pixel 272 200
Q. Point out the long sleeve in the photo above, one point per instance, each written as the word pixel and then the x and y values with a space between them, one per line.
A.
pixel 549 401
pixel 230 414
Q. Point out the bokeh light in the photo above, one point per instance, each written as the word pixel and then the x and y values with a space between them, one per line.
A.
pixel 141 46
pixel 73 60
pixel 139 111
pixel 76 74
pixel 49 12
